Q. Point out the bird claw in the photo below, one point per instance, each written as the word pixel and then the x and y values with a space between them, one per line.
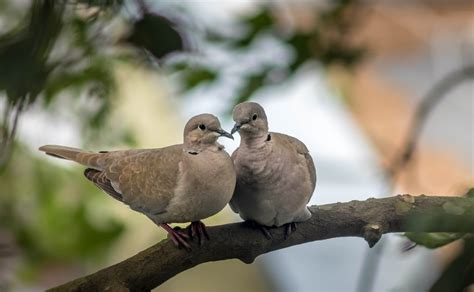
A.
pixel 182 232
pixel 177 235
pixel 262 228
pixel 266 232
pixel 289 228
pixel 198 229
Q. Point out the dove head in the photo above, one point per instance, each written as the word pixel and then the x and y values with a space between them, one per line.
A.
pixel 250 120
pixel 202 132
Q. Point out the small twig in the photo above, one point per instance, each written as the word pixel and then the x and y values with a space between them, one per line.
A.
pixel 8 134
pixel 5 124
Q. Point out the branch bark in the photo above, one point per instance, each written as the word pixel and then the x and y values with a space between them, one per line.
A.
pixel 367 219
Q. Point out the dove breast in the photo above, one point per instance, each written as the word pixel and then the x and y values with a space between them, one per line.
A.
pixel 275 181
pixel 205 185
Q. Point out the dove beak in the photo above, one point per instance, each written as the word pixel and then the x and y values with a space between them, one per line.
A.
pixel 236 128
pixel 224 134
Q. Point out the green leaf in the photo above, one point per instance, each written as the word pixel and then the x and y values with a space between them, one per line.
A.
pixel 252 84
pixel 197 77
pixel 433 240
pixel 470 193
pixel 57 227
pixel 255 24
pixel 301 44
pixel 157 35
pixel 96 74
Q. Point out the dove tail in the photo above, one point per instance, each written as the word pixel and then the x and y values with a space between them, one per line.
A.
pixel 83 157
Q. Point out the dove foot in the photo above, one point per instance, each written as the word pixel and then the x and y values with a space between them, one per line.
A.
pixel 198 229
pixel 177 235
pixel 289 229
pixel 182 232
pixel 265 231
pixel 262 228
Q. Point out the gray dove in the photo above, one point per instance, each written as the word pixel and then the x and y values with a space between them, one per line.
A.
pixel 275 173
pixel 175 184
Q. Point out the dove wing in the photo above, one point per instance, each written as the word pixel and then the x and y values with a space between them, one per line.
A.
pixel 145 180
pixel 293 144
pixel 102 182
pixel 232 204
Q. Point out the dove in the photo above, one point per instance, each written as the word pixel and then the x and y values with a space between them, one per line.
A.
pixel 176 184
pixel 276 176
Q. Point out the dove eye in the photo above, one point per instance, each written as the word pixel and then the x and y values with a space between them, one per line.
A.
pixel 254 117
pixel 202 127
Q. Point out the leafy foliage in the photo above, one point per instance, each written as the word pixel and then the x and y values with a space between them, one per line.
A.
pixel 456 215
pixel 326 42
pixel 460 272
pixel 197 77
pixel 156 35
pixel 50 216
pixel 470 193
pixel 62 47
pixel 433 240
pixel 24 52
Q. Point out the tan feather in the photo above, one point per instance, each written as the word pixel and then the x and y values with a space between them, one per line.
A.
pixel 86 158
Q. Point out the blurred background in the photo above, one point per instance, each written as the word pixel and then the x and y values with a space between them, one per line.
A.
pixel 381 92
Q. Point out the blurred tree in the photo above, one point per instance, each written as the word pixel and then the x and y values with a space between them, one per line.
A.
pixel 67 46
pixel 23 56
pixel 53 202
pixel 327 41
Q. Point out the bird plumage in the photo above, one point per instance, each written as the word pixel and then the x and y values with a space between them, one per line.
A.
pixel 175 184
pixel 276 176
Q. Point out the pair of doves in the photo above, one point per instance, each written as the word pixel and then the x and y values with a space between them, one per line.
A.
pixel 268 180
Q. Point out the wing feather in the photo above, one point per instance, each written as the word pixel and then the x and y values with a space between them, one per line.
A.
pixel 293 143
pixel 102 182
pixel 147 180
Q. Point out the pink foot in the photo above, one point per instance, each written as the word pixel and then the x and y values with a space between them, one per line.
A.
pixel 178 237
pixel 264 229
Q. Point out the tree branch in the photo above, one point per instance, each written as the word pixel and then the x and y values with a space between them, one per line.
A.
pixel 368 219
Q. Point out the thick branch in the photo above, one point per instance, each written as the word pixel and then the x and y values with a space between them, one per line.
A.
pixel 368 219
